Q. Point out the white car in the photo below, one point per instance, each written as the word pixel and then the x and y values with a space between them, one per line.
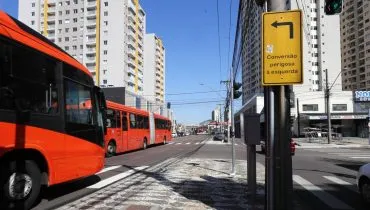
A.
pixel 174 134
pixel 363 182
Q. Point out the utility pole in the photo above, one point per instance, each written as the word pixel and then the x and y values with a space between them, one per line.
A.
pixel 232 123
pixel 278 159
pixel 227 83
pixel 327 101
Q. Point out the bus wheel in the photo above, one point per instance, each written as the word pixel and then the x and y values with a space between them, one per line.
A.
pixel 145 144
pixel 111 149
pixel 20 183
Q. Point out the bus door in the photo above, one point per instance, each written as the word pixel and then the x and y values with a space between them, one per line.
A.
pixel 132 137
pixel 124 139
pixel 152 128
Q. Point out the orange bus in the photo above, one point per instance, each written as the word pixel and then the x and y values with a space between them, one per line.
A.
pixel 131 129
pixel 51 116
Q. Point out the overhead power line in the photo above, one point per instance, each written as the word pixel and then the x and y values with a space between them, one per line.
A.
pixel 189 93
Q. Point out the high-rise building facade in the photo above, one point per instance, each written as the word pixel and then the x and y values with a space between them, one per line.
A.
pixel 355 44
pixel 106 36
pixel 154 68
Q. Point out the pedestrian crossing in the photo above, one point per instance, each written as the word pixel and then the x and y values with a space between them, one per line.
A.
pixel 205 142
pixel 355 154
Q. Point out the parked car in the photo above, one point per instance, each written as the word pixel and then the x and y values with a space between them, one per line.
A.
pixel 174 134
pixel 292 146
pixel 363 183
pixel 219 136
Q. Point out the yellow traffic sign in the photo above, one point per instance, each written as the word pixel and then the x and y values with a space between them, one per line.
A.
pixel 282 48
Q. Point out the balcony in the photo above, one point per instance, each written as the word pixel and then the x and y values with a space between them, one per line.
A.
pixel 91 42
pixel 91 23
pixel 91 31
pixel 131 70
pixel 91 4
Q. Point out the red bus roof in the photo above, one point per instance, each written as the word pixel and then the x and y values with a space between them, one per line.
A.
pixel 16 30
pixel 157 116
pixel 113 105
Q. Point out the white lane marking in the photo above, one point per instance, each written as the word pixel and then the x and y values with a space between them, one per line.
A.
pixel 236 144
pixel 171 143
pixel 115 178
pixel 197 143
pixel 340 182
pixel 363 157
pixel 108 169
pixel 179 143
pixel 325 197
pixel 188 143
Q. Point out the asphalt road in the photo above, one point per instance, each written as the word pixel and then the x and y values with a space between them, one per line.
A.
pixel 122 165
pixel 326 178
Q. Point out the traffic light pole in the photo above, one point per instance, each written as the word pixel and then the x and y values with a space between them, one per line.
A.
pixel 278 158
pixel 232 123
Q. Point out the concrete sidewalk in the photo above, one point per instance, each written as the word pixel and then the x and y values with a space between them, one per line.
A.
pixel 345 142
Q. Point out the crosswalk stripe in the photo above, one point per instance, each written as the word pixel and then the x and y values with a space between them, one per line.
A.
pixel 171 143
pixel 188 143
pixel 197 143
pixel 179 143
pixel 115 178
pixel 363 157
pixel 340 182
pixel 325 197
pixel 108 169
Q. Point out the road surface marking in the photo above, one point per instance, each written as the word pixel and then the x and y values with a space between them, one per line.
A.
pixel 179 143
pixel 325 197
pixel 363 157
pixel 197 143
pixel 340 182
pixel 188 143
pixel 171 143
pixel 108 169
pixel 236 144
pixel 115 178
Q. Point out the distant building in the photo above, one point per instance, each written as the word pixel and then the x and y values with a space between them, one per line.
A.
pixel 106 36
pixel 216 115
pixel 355 48
pixel 154 69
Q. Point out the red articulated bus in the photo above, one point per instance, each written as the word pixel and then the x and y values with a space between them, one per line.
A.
pixel 51 116
pixel 131 129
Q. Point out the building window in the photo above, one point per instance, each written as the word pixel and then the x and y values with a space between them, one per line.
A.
pixel 33 13
pixel 32 22
pixel 75 11
pixel 66 39
pixel 74 47
pixel 105 32
pixel 33 4
pixel 105 52
pixel 105 23
pixel 67 12
pixel 106 4
pixel 81 47
pixel 310 107
pixel 105 42
pixel 68 2
pixel 74 28
pixel 104 71
pixel 60 21
pixel 75 1
pixel 66 21
pixel 105 81
pixel 339 107
pixel 67 29
pixel 75 20
pixel 66 48
pixel 105 13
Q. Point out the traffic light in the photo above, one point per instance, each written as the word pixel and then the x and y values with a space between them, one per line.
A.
pixel 236 87
pixel 333 7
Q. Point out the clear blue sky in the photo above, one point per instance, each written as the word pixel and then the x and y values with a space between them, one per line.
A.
pixel 189 32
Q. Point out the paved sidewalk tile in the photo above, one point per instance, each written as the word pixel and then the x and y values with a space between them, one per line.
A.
pixel 179 184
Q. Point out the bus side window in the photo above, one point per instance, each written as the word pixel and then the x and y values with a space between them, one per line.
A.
pixel 118 119
pixel 124 121
pixel 133 121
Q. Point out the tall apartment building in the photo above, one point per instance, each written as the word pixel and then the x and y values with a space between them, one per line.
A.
pixel 355 44
pixel 106 36
pixel 154 68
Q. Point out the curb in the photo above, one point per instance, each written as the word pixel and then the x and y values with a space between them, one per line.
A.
pixel 331 146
